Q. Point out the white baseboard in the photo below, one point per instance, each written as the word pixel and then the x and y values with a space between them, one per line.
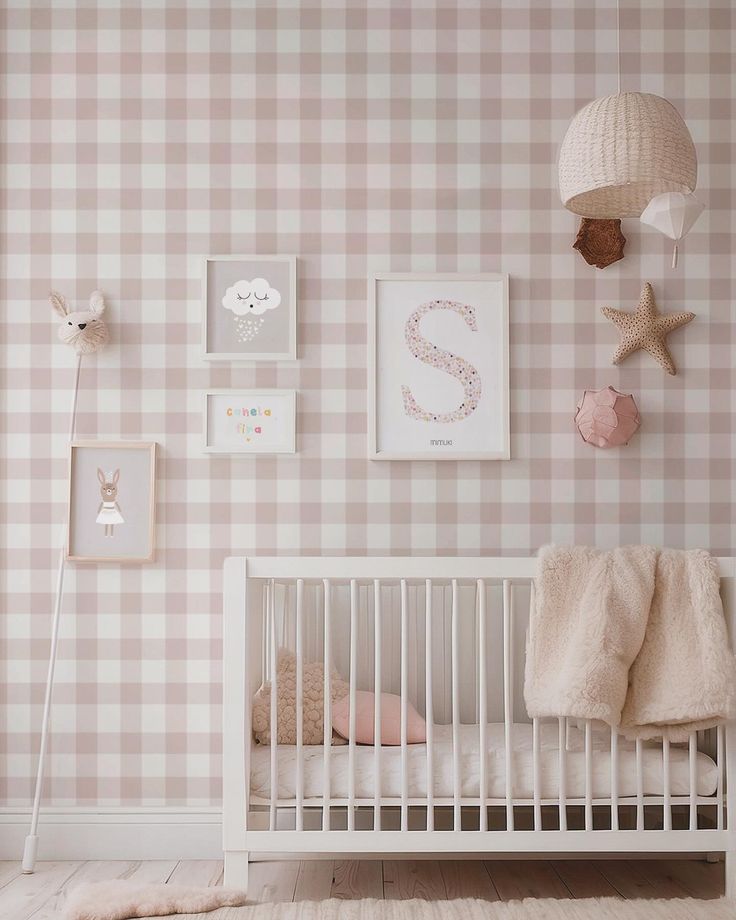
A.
pixel 115 833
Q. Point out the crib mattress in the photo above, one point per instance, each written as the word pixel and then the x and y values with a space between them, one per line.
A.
pixel 521 760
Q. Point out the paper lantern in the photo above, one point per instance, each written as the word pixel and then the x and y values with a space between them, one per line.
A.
pixel 607 418
pixel 672 214
pixel 621 151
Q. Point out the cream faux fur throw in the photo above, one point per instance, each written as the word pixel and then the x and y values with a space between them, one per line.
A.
pixel 634 637
pixel 121 899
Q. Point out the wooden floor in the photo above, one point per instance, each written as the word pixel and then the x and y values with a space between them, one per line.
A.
pixel 41 895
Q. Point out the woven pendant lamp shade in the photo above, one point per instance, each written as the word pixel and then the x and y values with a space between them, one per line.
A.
pixel 622 150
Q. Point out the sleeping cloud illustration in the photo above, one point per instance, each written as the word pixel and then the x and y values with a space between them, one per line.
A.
pixel 249 301
pixel 252 297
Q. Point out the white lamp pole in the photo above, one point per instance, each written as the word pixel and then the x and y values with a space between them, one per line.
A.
pixel 31 844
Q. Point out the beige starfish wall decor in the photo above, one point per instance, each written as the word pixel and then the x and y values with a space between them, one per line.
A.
pixel 646 328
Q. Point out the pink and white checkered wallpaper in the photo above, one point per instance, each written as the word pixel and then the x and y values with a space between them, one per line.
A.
pixel 361 136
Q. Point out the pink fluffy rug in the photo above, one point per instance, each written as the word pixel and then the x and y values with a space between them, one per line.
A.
pixel 120 900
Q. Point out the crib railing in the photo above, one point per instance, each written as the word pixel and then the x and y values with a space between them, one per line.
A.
pixel 384 623
pixel 277 636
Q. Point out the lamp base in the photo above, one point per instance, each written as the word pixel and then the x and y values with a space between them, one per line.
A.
pixel 29 854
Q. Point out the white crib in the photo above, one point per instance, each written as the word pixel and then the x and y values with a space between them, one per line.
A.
pixel 448 635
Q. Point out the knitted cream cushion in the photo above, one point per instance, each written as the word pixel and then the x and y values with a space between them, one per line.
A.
pixel 622 150
pixel 313 701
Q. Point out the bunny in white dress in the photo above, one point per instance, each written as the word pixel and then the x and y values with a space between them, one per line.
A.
pixel 109 513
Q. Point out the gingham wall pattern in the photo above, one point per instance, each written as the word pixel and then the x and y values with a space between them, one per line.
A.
pixel 361 136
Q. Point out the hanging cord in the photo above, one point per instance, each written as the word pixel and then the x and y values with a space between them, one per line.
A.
pixel 618 42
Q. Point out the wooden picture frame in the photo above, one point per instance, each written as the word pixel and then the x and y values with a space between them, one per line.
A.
pixel 488 436
pixel 227 333
pixel 244 416
pixel 88 508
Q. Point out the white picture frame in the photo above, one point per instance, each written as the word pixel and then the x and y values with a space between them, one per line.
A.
pixel 269 334
pixel 396 370
pixel 115 520
pixel 228 433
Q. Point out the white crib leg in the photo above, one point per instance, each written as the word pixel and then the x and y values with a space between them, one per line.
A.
pixel 731 873
pixel 236 869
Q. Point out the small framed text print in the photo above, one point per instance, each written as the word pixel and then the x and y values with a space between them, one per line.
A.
pixel 250 421
pixel 438 375
pixel 249 308
pixel 112 501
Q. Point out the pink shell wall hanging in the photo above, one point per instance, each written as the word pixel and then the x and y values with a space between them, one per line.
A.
pixel 607 418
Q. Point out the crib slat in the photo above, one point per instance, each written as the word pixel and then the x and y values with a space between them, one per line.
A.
pixel 693 764
pixel 508 600
pixel 285 618
pixel 483 703
pixel 327 725
pixel 720 757
pixel 351 720
pixel 562 767
pixel 404 705
pixel 536 765
pixel 377 705
pixel 428 704
pixel 614 780
pixel 413 636
pixel 274 708
pixel 536 776
pixel 667 786
pixel 456 822
pixel 266 644
pixel 588 776
pixel 639 785
pixel 299 704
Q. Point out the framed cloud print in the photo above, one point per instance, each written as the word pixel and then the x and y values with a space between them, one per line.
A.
pixel 112 501
pixel 249 308
pixel 250 422
pixel 438 357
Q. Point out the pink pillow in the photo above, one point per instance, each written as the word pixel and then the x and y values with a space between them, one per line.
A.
pixel 416 730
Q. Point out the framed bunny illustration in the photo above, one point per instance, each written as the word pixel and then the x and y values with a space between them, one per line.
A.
pixel 112 499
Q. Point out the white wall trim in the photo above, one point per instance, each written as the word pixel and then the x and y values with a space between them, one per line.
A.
pixel 115 833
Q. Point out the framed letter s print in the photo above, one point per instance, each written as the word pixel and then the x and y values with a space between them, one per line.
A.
pixel 439 367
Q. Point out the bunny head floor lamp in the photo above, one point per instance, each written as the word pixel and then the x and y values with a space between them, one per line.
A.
pixel 84 331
